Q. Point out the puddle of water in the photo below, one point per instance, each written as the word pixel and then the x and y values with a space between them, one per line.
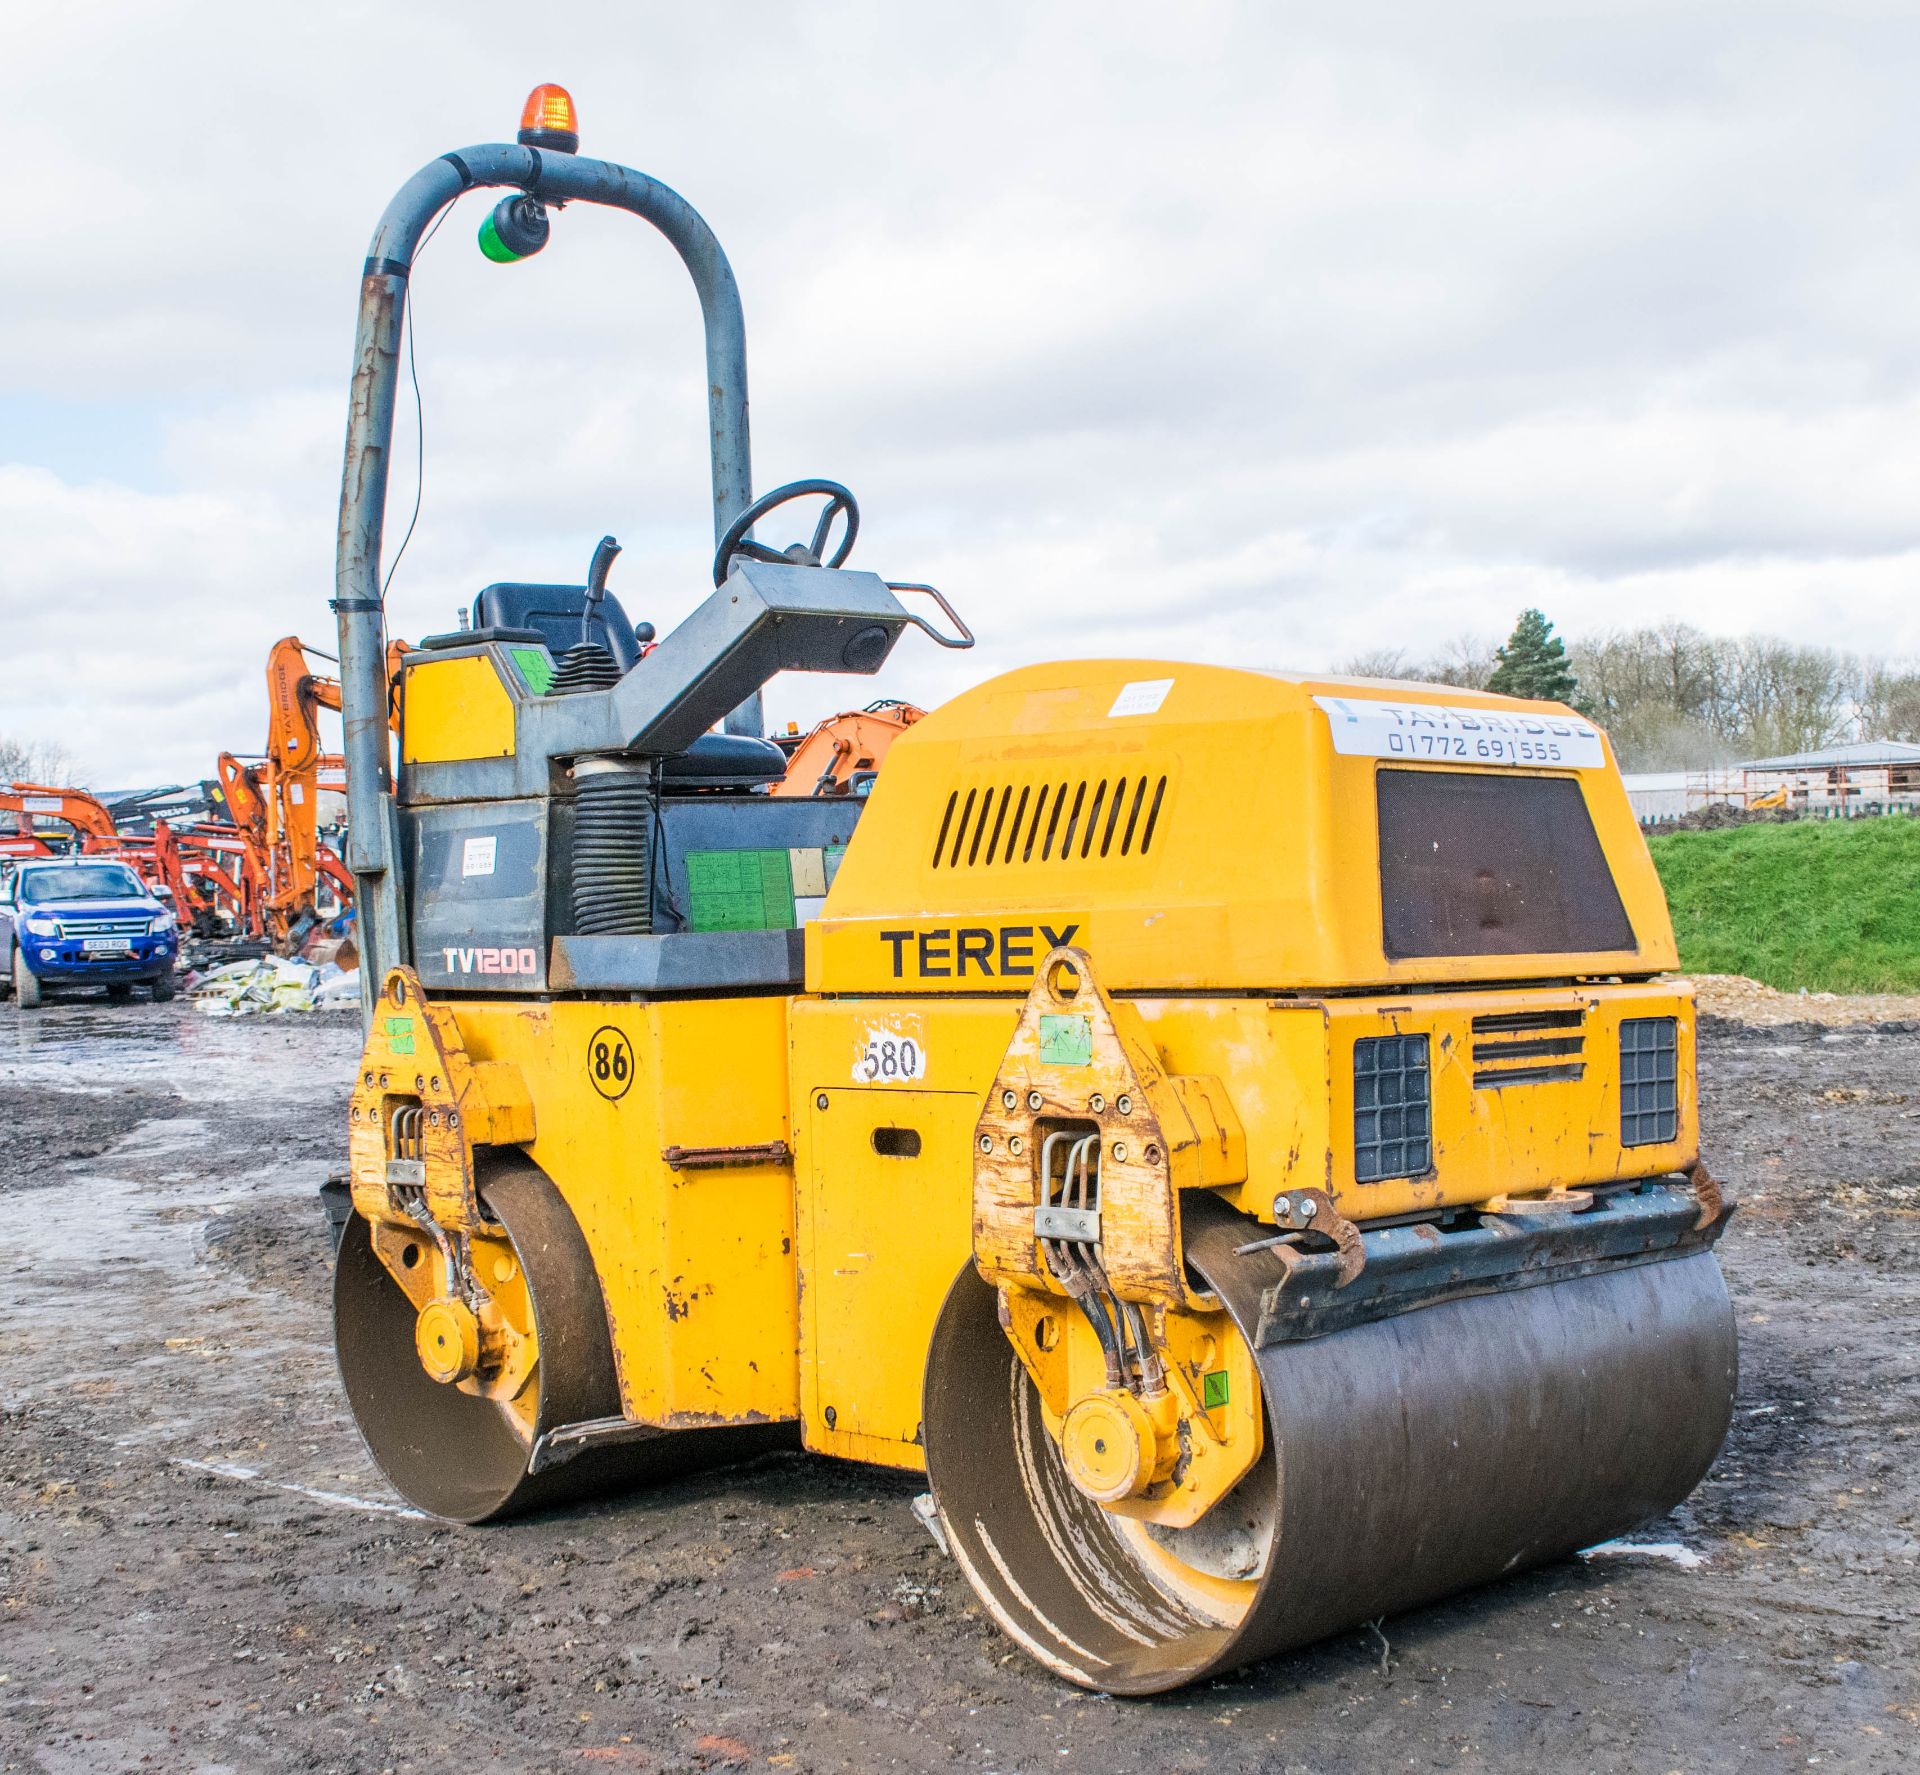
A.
pixel 81 1046
pixel 1670 1551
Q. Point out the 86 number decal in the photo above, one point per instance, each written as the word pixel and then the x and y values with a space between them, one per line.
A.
pixel 610 1062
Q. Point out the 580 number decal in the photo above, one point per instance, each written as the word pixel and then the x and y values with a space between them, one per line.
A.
pixel 890 1056
pixel 610 1062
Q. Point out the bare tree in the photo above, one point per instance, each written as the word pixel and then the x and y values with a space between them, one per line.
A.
pixel 1379 662
pixel 1783 698
pixel 1889 704
pixel 34 761
pixel 1467 661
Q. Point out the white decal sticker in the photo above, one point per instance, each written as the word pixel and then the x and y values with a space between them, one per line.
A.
pixel 1450 733
pixel 40 804
pixel 476 857
pixel 1142 697
pixel 809 865
pixel 892 1055
pixel 297 794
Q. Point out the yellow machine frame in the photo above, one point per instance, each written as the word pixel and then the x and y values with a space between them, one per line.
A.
pixel 776 1209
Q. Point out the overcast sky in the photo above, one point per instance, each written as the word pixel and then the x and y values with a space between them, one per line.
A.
pixel 1263 334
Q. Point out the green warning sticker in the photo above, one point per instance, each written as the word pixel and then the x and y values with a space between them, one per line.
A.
pixel 740 890
pixel 1066 1040
pixel 400 1034
pixel 1213 1389
pixel 536 667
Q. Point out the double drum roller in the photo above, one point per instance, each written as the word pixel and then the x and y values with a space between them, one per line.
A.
pixel 1235 1132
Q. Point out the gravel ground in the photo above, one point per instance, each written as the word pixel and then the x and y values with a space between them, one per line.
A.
pixel 1740 1000
pixel 199 1569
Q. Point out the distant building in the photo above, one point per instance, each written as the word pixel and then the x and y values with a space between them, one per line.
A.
pixel 1875 774
pixel 1836 782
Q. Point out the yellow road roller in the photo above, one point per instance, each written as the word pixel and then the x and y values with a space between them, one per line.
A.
pixel 1234 1132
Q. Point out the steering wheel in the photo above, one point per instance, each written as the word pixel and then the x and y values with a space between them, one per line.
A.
pixel 795 554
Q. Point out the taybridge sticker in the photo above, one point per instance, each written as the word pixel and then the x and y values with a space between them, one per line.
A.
pixel 609 1062
pixel 1370 727
pixel 893 1053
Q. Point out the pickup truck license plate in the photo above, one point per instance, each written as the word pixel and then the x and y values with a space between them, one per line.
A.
pixel 106 945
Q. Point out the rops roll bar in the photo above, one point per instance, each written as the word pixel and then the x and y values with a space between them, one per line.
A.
pixel 551 176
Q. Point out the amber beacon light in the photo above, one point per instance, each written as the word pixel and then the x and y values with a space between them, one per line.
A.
pixel 548 120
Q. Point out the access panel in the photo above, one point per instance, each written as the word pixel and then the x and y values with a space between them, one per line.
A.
pixel 886 1223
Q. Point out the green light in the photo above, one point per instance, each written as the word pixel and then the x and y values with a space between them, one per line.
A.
pixel 516 228
pixel 494 247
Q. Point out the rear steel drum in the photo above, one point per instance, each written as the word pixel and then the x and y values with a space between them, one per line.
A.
pixel 467 1458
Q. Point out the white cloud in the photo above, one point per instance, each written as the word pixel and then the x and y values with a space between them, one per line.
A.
pixel 1225 331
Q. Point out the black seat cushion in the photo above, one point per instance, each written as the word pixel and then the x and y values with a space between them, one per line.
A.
pixel 726 761
pixel 554 613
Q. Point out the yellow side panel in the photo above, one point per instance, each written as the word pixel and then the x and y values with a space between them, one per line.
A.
pixel 454 709
pixel 882 1235
pixel 697 1264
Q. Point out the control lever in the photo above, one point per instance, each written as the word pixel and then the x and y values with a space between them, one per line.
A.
pixel 597 570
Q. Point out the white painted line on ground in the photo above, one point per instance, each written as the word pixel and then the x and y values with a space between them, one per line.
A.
pixel 1684 1557
pixel 340 1500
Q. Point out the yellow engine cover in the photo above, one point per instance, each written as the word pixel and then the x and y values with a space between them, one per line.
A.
pixel 1196 828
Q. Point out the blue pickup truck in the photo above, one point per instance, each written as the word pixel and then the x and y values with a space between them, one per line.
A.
pixel 78 921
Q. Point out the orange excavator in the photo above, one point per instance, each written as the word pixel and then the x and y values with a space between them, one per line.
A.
pixel 29 803
pixel 197 866
pixel 842 754
pixel 209 870
pixel 274 800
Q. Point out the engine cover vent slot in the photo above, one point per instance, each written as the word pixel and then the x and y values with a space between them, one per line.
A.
pixel 1494 1078
pixel 1528 1048
pixel 1512 1022
pixel 1095 818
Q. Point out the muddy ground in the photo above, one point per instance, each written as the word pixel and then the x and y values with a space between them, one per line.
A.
pixel 199 1569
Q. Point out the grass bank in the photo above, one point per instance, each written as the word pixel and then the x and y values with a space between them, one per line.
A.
pixel 1831 905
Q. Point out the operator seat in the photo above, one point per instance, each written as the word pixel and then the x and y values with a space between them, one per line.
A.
pixel 557 615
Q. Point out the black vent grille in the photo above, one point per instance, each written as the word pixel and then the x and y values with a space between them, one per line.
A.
pixel 999 823
pixel 1649 1081
pixel 1392 1110
pixel 1528 1048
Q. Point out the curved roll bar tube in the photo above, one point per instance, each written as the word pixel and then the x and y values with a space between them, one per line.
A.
pixel 554 178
